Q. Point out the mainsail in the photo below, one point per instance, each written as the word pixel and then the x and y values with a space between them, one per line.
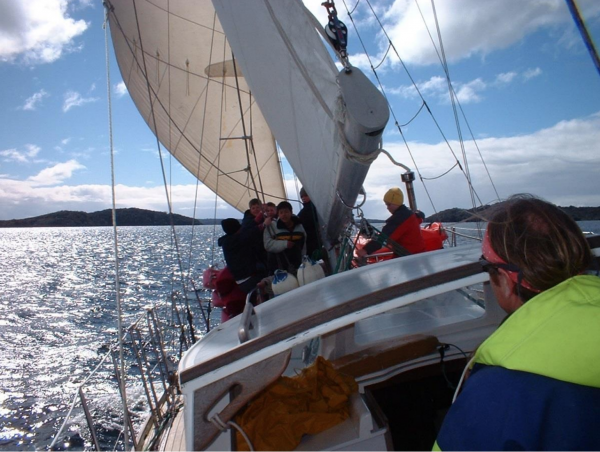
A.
pixel 179 70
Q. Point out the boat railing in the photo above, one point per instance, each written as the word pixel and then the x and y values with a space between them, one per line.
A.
pixel 454 234
pixel 153 366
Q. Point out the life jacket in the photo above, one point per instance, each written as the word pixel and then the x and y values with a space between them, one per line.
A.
pixel 434 235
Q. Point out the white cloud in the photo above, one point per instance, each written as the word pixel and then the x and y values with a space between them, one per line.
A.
pixel 469 93
pixel 32 102
pixel 532 73
pixel 506 77
pixel 24 199
pixel 468 27
pixel 74 99
pixel 120 89
pixel 560 163
pixel 14 155
pixel 37 31
pixel 55 174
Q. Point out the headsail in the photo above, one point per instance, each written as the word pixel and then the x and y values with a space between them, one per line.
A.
pixel 294 79
pixel 178 68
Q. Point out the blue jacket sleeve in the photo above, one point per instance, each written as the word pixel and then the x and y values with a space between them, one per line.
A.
pixel 501 409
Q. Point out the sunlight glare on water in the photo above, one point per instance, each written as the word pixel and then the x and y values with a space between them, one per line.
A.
pixel 58 312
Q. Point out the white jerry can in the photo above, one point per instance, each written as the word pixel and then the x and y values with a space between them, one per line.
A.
pixel 283 282
pixel 309 271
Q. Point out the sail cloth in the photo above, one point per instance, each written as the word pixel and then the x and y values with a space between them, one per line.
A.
pixel 293 77
pixel 178 68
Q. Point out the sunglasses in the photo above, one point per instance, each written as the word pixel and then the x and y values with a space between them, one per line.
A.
pixel 492 268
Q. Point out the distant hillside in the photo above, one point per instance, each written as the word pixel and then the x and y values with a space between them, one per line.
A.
pixel 456 215
pixel 125 217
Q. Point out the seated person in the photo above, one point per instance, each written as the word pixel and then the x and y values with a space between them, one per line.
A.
pixel 402 228
pixel 238 250
pixel 284 240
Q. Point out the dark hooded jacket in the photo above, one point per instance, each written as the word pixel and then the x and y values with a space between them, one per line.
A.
pixel 310 222
pixel 239 252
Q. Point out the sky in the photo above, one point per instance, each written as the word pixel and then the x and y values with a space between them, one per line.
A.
pixel 522 75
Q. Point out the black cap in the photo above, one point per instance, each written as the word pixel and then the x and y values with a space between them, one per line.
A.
pixel 230 225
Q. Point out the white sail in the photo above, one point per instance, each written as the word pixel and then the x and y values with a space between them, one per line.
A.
pixel 178 68
pixel 295 81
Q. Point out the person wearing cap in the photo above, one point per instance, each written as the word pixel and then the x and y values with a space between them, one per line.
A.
pixel 534 384
pixel 239 254
pixel 310 222
pixel 402 228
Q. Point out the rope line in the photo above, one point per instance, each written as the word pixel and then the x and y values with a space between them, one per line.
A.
pixel 441 175
pixel 222 426
pixel 464 116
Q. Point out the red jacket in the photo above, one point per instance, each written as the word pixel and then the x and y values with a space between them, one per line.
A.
pixel 403 228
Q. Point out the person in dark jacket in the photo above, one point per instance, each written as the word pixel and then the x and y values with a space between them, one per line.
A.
pixel 402 228
pixel 535 382
pixel 310 223
pixel 284 240
pixel 254 219
pixel 238 250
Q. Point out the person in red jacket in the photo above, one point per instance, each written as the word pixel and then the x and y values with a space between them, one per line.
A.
pixel 402 231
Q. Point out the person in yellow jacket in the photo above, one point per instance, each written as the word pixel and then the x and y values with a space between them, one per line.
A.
pixel 535 382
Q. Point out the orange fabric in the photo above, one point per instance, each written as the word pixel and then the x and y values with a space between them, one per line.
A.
pixel 434 236
pixel 309 403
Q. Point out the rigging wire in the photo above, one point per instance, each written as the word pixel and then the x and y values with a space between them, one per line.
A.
pixel 218 174
pixel 123 374
pixel 205 109
pixel 422 98
pixel 169 204
pixel 385 95
pixel 453 101
pixel 460 107
pixel 243 122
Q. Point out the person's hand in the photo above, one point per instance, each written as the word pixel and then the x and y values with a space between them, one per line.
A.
pixel 268 221
pixel 290 244
pixel 361 252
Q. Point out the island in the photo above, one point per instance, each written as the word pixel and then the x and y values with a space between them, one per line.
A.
pixel 457 215
pixel 125 217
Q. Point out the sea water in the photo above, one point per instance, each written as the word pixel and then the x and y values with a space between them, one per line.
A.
pixel 58 313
